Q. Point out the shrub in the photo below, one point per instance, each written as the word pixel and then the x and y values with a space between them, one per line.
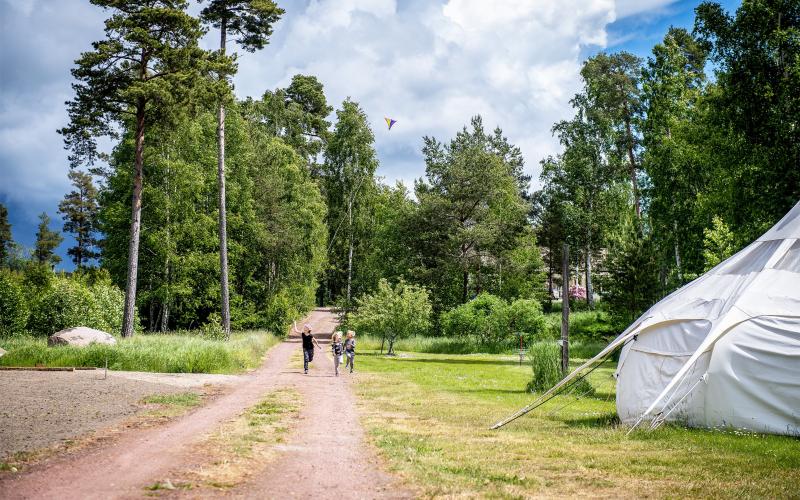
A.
pixel 66 304
pixel 13 306
pixel 36 279
pixel 591 325
pixel 484 317
pixel 212 329
pixel 109 304
pixel 546 365
pixel 525 316
pixel 393 312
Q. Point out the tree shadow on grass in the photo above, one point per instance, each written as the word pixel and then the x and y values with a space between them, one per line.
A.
pixel 490 391
pixel 449 361
pixel 607 420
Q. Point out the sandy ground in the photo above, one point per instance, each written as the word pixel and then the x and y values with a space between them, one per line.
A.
pixel 326 455
pixel 40 409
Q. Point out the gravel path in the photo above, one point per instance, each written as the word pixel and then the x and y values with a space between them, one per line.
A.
pixel 327 456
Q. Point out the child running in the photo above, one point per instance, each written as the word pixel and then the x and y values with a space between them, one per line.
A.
pixel 350 349
pixel 308 345
pixel 337 349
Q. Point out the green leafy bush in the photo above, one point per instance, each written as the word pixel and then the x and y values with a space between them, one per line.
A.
pixel 67 303
pixel 484 317
pixel 546 365
pixel 393 312
pixel 525 316
pixel 13 306
pixel 592 325
pixel 212 329
pixel 109 302
pixel 36 279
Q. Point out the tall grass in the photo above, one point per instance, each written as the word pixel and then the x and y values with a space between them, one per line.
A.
pixel 166 353
pixel 469 345
pixel 546 366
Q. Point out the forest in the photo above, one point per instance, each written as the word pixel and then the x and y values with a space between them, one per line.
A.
pixel 215 213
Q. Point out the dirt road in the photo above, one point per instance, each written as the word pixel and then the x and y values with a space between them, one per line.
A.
pixel 326 455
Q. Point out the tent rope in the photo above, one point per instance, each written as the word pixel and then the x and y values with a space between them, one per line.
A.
pixel 660 419
pixel 544 398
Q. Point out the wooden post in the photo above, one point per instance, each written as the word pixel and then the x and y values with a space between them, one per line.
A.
pixel 565 309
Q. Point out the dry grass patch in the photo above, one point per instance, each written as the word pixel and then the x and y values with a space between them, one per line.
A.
pixel 240 447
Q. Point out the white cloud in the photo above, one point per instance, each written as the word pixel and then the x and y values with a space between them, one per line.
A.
pixel 432 66
pixel 429 64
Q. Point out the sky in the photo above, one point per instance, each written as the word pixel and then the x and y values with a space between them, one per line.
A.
pixel 429 64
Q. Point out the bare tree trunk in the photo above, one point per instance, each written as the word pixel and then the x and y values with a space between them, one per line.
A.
pixel 588 260
pixel 632 161
pixel 136 223
pixel 565 309
pixel 465 287
pixel 223 219
pixel 550 275
pixel 500 280
pixel 589 289
pixel 677 252
pixel 350 251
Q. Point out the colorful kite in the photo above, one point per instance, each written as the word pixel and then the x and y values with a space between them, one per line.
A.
pixel 390 122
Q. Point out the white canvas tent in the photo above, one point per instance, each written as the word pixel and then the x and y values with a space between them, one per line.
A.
pixel 723 351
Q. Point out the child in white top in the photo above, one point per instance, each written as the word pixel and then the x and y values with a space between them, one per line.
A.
pixel 337 349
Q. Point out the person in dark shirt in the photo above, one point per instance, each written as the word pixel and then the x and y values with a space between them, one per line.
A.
pixel 308 345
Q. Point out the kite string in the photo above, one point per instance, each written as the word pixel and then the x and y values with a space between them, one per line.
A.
pixel 341 218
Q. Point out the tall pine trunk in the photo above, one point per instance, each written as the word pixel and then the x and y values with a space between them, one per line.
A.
pixel 677 252
pixel 588 270
pixel 136 222
pixel 588 261
pixel 350 250
pixel 223 220
pixel 465 287
pixel 565 309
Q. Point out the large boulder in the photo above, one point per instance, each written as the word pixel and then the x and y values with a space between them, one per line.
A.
pixel 81 336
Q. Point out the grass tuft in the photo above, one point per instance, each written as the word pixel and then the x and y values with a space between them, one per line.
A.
pixel 186 399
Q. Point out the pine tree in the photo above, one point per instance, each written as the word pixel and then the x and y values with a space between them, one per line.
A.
pixel 145 71
pixel 251 21
pixel 6 241
pixel 79 210
pixel 46 242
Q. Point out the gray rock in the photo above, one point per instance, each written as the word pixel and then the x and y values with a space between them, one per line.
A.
pixel 80 336
pixel 2 352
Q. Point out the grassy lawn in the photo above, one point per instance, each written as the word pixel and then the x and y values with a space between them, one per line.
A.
pixel 428 415
pixel 165 353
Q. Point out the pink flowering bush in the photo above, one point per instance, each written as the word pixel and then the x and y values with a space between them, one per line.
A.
pixel 577 292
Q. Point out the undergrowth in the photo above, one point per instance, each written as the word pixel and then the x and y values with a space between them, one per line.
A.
pixel 165 353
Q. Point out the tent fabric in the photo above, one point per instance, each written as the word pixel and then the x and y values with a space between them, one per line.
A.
pixel 724 350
